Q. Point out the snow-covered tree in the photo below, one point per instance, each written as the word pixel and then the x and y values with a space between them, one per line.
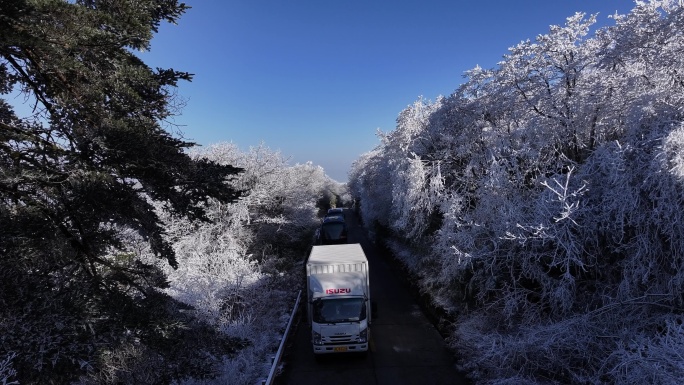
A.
pixel 556 179
pixel 239 272
pixel 76 175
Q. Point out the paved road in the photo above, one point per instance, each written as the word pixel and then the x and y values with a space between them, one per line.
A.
pixel 405 348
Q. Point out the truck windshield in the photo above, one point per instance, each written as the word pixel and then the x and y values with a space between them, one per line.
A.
pixel 339 310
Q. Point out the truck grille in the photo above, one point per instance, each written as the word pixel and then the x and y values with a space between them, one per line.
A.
pixel 339 339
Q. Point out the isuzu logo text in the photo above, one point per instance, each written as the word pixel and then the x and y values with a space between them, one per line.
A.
pixel 337 291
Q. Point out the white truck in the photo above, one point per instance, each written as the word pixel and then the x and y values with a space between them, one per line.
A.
pixel 338 306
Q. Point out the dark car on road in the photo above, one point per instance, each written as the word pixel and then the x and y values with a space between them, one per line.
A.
pixel 333 230
pixel 336 211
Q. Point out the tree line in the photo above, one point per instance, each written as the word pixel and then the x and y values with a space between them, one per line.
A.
pixel 127 254
pixel 542 203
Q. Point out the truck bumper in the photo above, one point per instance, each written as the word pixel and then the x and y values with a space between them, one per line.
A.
pixel 330 349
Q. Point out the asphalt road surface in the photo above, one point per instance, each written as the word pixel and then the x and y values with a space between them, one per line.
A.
pixel 405 348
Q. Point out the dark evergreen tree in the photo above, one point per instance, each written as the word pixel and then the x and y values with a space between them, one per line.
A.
pixel 81 171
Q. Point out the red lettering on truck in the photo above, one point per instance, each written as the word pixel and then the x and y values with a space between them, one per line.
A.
pixel 338 291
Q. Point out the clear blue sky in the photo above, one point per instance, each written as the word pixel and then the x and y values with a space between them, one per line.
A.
pixel 316 79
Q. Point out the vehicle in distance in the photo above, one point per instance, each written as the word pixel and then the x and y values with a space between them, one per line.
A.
pixel 333 231
pixel 339 305
pixel 336 211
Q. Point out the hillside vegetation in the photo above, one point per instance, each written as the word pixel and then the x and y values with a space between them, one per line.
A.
pixel 543 204
pixel 127 256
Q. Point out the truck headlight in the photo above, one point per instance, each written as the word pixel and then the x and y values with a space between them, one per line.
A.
pixel 363 335
pixel 317 338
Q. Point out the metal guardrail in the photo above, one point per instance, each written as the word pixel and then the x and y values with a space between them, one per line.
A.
pixel 281 348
